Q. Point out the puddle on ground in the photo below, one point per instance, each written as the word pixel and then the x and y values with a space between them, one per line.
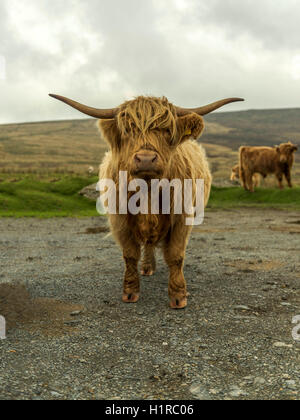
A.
pixel 212 230
pixel 94 231
pixel 255 265
pixel 39 315
pixel 286 229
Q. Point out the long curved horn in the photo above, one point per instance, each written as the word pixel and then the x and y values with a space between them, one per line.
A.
pixel 203 110
pixel 92 112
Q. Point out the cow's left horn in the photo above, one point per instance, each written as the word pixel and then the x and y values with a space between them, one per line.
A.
pixel 203 110
pixel 92 112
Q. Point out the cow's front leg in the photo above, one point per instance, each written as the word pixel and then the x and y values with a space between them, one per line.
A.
pixel 243 179
pixel 249 180
pixel 279 177
pixel 174 253
pixel 288 177
pixel 131 285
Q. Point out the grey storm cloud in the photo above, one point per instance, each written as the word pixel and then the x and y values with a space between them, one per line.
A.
pixel 275 23
pixel 102 53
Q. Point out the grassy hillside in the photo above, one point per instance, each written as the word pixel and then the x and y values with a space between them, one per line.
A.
pixel 48 147
pixel 72 146
pixel 255 127
pixel 227 131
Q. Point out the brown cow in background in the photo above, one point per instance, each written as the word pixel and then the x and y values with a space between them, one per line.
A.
pixel 150 138
pixel 266 160
pixel 235 176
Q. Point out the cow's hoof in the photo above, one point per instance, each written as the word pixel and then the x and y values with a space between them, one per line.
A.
pixel 178 303
pixel 147 270
pixel 130 297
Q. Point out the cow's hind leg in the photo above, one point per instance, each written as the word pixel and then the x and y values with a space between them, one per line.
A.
pixel 256 180
pixel 174 253
pixel 148 263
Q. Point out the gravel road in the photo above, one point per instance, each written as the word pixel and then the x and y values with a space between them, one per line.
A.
pixel 69 336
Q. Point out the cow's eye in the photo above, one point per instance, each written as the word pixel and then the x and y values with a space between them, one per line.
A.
pixel 167 133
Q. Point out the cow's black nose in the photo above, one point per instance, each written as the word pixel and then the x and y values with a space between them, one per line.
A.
pixel 146 160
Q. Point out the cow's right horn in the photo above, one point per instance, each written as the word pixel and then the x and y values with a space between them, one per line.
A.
pixel 203 110
pixel 92 112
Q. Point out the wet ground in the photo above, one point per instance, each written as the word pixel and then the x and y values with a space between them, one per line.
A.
pixel 69 336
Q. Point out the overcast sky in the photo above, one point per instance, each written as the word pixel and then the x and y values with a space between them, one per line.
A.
pixel 102 52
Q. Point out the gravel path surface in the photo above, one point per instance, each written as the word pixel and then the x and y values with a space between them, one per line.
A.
pixel 69 336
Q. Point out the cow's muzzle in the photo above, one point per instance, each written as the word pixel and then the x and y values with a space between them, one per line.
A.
pixel 146 162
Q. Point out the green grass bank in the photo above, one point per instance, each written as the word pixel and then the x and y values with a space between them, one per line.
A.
pixel 57 196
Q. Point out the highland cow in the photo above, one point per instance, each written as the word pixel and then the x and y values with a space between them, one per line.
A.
pixel 267 160
pixel 150 138
pixel 235 176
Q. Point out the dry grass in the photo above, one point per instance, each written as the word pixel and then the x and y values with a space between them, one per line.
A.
pixel 49 147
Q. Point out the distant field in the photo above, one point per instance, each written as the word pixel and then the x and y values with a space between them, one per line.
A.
pixel 36 196
pixel 49 147
pixel 70 147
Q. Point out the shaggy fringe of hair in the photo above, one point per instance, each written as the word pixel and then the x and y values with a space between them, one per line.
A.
pixel 146 113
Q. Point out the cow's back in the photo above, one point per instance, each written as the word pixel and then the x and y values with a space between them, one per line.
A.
pixel 261 160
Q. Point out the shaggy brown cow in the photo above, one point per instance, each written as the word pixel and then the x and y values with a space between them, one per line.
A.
pixel 152 139
pixel 235 176
pixel 266 160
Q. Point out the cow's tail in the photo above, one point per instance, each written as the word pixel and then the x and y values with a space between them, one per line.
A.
pixel 242 165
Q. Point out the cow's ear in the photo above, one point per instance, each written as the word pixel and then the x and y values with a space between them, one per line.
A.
pixel 110 132
pixel 295 148
pixel 189 126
